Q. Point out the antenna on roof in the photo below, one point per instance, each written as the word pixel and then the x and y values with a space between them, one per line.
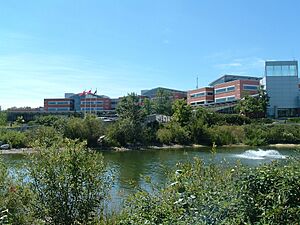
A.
pixel 197 83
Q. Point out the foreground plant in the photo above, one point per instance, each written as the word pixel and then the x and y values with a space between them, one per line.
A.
pixel 199 193
pixel 70 183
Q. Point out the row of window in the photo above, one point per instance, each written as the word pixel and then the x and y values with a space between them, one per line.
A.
pixel 201 102
pixel 250 87
pixel 59 103
pixel 92 103
pixel 225 99
pixel 281 70
pixel 58 109
pixel 223 90
pixel 201 94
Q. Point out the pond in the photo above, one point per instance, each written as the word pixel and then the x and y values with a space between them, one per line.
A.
pixel 129 167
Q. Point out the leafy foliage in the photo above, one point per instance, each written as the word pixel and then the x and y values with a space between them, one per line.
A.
pixel 254 107
pixel 181 112
pixel 130 108
pixel 70 183
pixel 15 139
pixel 163 102
pixel 3 118
pixel 218 194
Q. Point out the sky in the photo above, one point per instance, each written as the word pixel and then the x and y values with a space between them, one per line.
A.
pixel 51 47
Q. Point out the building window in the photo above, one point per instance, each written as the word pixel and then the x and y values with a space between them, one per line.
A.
pixel 198 95
pixel 281 70
pixel 232 98
pixel 230 88
pixel 223 90
pixel 250 87
pixel 219 100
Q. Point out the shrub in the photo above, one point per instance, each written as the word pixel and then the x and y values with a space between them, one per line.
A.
pixel 220 194
pixel 15 139
pixel 270 194
pixel 255 135
pixel 173 133
pixel 88 129
pixel 45 136
pixel 15 198
pixel 70 183
pixel 226 135
pixel 235 119
pixel 127 132
pixel 283 134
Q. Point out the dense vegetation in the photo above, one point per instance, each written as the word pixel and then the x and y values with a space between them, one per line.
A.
pixel 187 126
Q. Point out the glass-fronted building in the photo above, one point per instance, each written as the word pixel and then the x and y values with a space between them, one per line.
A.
pixel 281 85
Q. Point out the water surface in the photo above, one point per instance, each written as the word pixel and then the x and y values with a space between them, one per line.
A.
pixel 128 168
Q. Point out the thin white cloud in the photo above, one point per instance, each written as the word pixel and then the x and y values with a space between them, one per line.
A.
pixel 26 79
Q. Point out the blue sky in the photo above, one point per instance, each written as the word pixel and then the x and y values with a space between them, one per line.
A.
pixel 51 47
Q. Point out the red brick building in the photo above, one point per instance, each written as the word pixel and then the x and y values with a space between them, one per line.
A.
pixel 227 88
pixel 94 103
pixel 58 104
pixel 235 90
pixel 200 96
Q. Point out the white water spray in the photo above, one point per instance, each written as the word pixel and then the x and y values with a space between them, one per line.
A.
pixel 261 154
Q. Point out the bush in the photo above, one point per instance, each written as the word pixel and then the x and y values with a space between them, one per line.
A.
pixel 70 183
pixel 88 129
pixel 45 136
pixel 49 120
pixel 15 139
pixel 220 194
pixel 173 133
pixel 256 135
pixel 15 198
pixel 235 119
pixel 226 135
pixel 283 134
pixel 127 132
pixel 293 120
pixel 270 194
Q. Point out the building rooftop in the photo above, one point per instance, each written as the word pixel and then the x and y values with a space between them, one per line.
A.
pixel 227 78
pixel 152 92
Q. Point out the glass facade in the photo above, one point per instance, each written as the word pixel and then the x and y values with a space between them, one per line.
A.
pixel 281 68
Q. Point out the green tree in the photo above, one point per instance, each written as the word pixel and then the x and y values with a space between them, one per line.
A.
pixel 163 102
pixel 130 108
pixel 70 183
pixel 254 106
pixel 130 127
pixel 148 106
pixel 182 112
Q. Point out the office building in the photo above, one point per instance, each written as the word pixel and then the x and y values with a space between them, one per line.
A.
pixel 226 89
pixel 282 86
pixel 58 104
pixel 200 96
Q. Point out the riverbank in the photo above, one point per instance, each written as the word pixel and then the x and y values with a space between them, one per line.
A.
pixel 156 147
